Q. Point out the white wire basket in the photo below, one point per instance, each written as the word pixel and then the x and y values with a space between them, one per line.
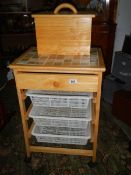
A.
pixel 59 99
pixel 62 135
pixel 62 117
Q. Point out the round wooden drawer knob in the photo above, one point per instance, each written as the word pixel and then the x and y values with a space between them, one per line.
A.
pixel 56 84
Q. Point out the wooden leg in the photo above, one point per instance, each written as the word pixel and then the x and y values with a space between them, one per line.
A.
pixel 24 120
pixel 93 120
pixel 96 119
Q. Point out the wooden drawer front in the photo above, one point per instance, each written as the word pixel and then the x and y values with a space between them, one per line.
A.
pixel 65 82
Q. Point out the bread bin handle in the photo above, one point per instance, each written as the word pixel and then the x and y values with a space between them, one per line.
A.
pixel 65 6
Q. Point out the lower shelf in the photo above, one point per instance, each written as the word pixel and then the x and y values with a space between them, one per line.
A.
pixel 61 150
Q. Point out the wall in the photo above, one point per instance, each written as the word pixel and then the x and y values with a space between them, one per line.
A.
pixel 123 23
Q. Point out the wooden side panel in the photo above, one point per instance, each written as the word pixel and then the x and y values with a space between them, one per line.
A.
pixel 66 35
pixel 63 82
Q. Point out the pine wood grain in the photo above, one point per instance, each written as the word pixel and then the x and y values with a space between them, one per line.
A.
pixel 63 34
pixel 57 82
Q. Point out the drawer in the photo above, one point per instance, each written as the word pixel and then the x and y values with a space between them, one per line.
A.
pixel 64 82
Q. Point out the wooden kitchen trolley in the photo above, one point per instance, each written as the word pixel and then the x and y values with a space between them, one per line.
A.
pixel 62 63
pixel 78 73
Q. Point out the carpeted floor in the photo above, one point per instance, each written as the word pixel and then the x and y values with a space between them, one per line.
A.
pixel 113 157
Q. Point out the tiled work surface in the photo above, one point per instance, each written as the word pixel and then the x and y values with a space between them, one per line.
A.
pixel 31 58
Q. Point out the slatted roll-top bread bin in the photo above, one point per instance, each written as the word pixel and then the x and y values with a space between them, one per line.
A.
pixel 63 34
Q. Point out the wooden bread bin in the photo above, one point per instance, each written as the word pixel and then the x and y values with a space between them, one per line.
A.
pixel 63 34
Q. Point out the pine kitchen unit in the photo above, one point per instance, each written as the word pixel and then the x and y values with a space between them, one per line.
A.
pixel 49 67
